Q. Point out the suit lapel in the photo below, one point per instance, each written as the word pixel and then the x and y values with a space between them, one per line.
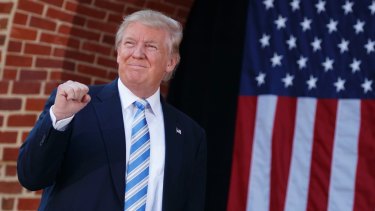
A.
pixel 109 112
pixel 173 159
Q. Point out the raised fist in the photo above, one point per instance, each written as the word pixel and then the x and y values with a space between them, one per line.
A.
pixel 71 97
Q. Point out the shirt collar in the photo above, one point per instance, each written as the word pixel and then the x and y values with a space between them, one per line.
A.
pixel 127 98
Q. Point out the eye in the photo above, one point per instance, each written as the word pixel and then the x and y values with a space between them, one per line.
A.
pixel 129 44
pixel 151 47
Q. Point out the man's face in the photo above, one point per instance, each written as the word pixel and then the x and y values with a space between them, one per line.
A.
pixel 144 58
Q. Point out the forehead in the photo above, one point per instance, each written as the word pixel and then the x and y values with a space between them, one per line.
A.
pixel 138 30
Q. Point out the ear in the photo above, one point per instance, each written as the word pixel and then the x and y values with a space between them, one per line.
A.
pixel 118 55
pixel 172 62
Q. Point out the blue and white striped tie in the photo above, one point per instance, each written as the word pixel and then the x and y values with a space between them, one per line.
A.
pixel 139 161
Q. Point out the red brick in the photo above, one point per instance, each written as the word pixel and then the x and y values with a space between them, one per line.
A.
pixel 75 55
pixel 9 154
pixel 85 10
pixel 26 87
pixel 111 28
pixel 33 75
pixel 10 74
pixel 35 104
pixel 43 23
pixel 66 17
pixel 7 203
pixel 28 203
pixel 139 3
pixel 10 170
pixel 37 49
pixel 185 3
pixel 50 86
pixel 14 46
pixel 23 33
pixel 115 18
pixel 74 77
pixel 30 6
pixel 20 18
pixel 4 87
pixel 1 120
pixel 3 23
pixel 111 6
pixel 57 3
pixel 24 136
pixel 2 40
pixel 167 9
pixel 79 33
pixel 10 104
pixel 6 7
pixel 107 62
pixel 112 75
pixel 97 82
pixel 18 61
pixel 93 71
pixel 59 40
pixel 109 39
pixel 8 137
pixel 19 120
pixel 54 63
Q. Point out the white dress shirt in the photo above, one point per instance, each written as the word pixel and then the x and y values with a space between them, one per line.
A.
pixel 155 122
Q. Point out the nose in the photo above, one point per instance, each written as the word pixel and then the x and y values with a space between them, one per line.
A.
pixel 139 51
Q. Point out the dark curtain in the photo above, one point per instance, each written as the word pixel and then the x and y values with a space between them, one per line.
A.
pixel 206 84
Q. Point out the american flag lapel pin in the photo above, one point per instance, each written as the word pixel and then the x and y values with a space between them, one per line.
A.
pixel 178 130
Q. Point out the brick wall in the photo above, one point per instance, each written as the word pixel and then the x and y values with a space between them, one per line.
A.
pixel 45 42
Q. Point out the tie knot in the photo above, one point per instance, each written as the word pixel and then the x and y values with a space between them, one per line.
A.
pixel 141 104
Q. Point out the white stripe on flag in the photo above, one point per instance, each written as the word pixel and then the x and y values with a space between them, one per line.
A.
pixel 345 151
pixel 298 184
pixel 259 178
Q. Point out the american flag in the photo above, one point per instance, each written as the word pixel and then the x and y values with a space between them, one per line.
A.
pixel 305 128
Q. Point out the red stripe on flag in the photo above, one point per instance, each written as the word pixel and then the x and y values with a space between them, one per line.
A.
pixel 365 179
pixel 243 144
pixel 282 142
pixel 324 130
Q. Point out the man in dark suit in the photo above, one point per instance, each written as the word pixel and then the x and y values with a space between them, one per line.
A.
pixel 119 146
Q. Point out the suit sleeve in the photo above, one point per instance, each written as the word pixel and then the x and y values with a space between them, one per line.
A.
pixel 196 198
pixel 41 155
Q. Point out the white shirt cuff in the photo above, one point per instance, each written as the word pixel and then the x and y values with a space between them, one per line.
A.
pixel 62 124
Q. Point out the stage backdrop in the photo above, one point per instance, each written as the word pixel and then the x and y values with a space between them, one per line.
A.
pixel 285 91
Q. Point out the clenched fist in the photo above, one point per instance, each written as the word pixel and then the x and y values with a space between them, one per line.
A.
pixel 71 97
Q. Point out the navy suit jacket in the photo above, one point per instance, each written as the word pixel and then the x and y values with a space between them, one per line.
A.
pixel 83 167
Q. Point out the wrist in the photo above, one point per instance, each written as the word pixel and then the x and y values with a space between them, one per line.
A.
pixel 60 115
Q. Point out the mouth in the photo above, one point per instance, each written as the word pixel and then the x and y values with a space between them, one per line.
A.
pixel 137 66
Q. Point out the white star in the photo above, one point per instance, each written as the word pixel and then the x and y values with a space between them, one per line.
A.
pixel 268 4
pixel 265 40
pixel 355 65
pixel 359 26
pixel 328 64
pixel 343 46
pixel 367 85
pixel 320 6
pixel 348 7
pixel 295 5
pixel 372 7
pixel 280 22
pixel 302 62
pixel 260 78
pixel 311 83
pixel 288 80
pixel 332 26
pixel 292 42
pixel 306 24
pixel 276 60
pixel 339 84
pixel 316 44
pixel 370 46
